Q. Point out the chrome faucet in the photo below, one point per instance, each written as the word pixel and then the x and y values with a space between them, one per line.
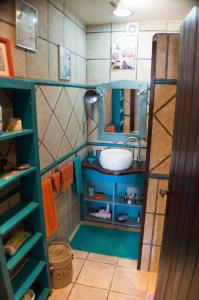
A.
pixel 138 144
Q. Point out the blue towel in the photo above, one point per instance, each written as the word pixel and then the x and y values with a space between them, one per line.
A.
pixel 78 175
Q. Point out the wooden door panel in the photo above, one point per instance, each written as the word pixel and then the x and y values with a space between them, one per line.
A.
pixel 182 198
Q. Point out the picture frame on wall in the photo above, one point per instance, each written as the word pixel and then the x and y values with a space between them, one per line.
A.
pixel 6 64
pixel 64 63
pixel 26 25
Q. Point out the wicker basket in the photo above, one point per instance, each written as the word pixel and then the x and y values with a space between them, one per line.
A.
pixel 60 259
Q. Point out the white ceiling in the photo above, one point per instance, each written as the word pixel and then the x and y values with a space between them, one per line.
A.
pixel 92 12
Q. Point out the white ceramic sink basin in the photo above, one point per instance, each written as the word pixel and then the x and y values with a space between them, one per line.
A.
pixel 116 159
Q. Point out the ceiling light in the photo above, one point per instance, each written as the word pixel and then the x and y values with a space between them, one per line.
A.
pixel 121 11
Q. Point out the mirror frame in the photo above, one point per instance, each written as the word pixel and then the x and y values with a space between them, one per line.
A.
pixel 123 84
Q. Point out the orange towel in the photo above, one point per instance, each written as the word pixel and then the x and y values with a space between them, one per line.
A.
pixel 56 181
pixel 50 216
pixel 66 176
pixel 110 128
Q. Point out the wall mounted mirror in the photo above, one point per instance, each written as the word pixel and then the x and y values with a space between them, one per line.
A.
pixel 123 110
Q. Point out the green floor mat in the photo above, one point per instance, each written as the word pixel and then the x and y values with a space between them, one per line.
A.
pixel 107 241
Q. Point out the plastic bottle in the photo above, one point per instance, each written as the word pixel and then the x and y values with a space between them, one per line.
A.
pixel 15 242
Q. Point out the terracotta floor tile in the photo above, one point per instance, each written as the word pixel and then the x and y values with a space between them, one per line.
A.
pixel 102 258
pixel 96 274
pixel 80 254
pixel 129 263
pixel 130 281
pixel 77 265
pixel 61 294
pixel 83 292
pixel 119 296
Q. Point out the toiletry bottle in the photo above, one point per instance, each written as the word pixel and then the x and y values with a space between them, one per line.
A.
pixel 90 152
pixel 1 120
pixel 138 219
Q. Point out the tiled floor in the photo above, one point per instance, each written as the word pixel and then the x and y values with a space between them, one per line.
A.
pixel 101 277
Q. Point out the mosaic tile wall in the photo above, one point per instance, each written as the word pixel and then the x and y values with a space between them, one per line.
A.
pixel 60 112
pixel 160 150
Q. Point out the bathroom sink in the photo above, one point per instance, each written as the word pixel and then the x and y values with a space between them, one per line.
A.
pixel 116 159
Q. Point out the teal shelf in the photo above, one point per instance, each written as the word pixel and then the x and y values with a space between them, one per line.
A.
pixel 12 261
pixel 15 134
pixel 95 219
pixel 137 204
pixel 41 293
pixel 106 199
pixel 6 182
pixel 26 277
pixel 15 215
pixel 131 222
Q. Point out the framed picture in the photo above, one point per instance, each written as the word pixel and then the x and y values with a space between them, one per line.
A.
pixel 26 25
pixel 6 65
pixel 64 63
pixel 124 54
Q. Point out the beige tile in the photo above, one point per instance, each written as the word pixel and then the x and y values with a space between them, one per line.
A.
pixel 119 296
pixel 53 62
pixel 72 129
pixel 97 71
pixel 56 25
pixel 98 45
pixel 51 94
pixel 145 44
pixel 37 63
pixel 63 109
pixel 174 25
pixel 152 283
pixel 158 230
pixel 151 195
pixel 42 8
pixel 128 263
pixel 80 254
pixel 98 28
pixel 102 258
pixel 7 11
pixel 80 44
pixel 77 266
pixel 96 274
pixel 45 158
pixel 53 136
pixel 162 201
pixel 82 292
pixel 148 228
pixel 153 25
pixel 144 70
pixel 69 34
pixel 61 294
pixel 130 281
pixel 121 74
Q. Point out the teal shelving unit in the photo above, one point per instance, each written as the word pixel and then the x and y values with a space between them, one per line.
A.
pixel 29 266
pixel 112 186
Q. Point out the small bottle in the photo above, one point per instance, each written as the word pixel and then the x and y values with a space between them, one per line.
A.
pixel 1 120
pixel 138 219
pixel 90 152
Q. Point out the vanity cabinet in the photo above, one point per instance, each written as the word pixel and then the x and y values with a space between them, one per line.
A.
pixel 112 186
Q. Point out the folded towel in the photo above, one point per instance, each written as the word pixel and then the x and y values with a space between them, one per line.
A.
pixel 78 175
pixel 66 176
pixel 56 181
pixel 50 216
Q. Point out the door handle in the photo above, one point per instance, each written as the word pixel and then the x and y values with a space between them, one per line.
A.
pixel 163 193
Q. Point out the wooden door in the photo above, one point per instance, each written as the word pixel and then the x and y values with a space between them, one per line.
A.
pixel 178 276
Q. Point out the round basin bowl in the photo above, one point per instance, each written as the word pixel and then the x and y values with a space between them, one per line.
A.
pixel 116 159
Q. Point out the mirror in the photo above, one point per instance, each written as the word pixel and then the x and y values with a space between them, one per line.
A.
pixel 123 110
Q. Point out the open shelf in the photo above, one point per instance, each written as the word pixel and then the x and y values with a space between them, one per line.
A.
pixel 26 276
pixel 5 182
pixel 131 222
pixel 96 219
pixel 15 215
pixel 41 292
pixel 106 199
pixel 14 134
pixel 12 261
pixel 121 202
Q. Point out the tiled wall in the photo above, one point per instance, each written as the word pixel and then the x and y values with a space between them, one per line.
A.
pixel 160 149
pixel 60 111
pixel 99 44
